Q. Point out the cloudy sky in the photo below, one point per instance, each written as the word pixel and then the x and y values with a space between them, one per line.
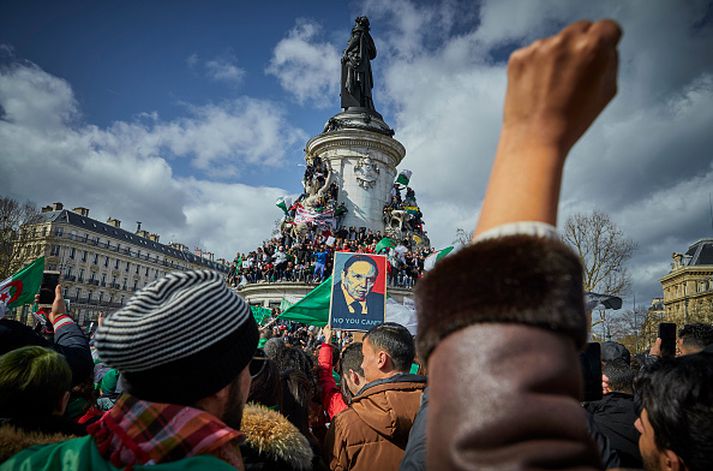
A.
pixel 191 116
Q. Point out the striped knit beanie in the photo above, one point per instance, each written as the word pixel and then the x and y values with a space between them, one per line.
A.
pixel 180 339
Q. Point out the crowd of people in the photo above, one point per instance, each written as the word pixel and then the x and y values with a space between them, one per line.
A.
pixel 309 258
pixel 182 377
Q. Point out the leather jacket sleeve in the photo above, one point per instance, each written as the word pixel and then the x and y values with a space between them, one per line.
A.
pixel 500 324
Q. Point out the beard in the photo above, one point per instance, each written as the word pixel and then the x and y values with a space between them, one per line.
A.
pixel 233 414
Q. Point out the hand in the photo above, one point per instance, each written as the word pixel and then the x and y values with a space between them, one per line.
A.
pixel 58 307
pixel 655 350
pixel 606 389
pixel 557 86
pixel 327 332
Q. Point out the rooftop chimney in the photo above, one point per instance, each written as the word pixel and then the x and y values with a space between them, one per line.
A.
pixel 83 211
pixel 57 206
pixel 113 222
pixel 138 226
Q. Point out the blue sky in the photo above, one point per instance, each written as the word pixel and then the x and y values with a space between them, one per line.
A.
pixel 192 116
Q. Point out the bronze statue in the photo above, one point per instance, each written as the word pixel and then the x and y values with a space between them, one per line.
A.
pixel 357 80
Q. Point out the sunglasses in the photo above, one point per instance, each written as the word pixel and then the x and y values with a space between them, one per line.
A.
pixel 257 364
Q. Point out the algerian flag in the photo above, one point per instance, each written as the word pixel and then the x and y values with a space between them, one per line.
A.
pixel 404 177
pixel 432 259
pixel 22 287
pixel 313 309
pixel 282 204
pixel 384 243
pixel 260 313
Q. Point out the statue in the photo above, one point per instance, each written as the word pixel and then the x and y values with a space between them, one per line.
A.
pixel 357 80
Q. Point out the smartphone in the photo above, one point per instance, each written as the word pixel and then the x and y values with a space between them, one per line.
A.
pixel 50 279
pixel 591 364
pixel 667 334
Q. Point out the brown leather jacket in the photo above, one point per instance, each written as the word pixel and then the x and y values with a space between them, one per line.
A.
pixel 372 433
pixel 500 324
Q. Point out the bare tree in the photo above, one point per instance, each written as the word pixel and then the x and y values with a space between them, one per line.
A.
pixel 603 250
pixel 462 237
pixel 13 215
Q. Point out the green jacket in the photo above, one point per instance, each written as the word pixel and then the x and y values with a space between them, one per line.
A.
pixel 82 454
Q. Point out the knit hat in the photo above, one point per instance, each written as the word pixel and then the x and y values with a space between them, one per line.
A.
pixel 180 339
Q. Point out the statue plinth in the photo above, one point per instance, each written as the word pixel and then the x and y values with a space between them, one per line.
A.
pixel 363 157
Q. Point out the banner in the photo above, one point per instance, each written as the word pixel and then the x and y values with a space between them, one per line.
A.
pixel 358 300
pixel 324 218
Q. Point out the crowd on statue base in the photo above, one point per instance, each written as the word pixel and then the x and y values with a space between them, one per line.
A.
pixel 310 257
pixel 187 380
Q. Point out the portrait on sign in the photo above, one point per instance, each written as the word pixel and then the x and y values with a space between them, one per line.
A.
pixel 358 300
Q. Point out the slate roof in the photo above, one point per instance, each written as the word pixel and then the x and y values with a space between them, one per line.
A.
pixel 701 252
pixel 100 228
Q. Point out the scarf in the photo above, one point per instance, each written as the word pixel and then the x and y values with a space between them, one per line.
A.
pixel 137 432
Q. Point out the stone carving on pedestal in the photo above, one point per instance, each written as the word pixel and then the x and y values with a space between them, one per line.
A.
pixel 366 173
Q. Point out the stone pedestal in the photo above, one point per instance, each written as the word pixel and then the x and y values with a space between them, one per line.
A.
pixel 363 157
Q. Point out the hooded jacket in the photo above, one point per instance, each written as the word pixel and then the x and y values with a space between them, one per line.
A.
pixel 272 442
pixel 373 432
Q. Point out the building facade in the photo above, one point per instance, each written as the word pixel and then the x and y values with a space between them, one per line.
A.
pixel 688 287
pixel 101 264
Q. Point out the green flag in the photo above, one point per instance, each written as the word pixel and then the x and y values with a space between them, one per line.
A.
pixel 313 309
pixel 383 244
pixel 432 259
pixel 22 287
pixel 282 204
pixel 404 177
pixel 260 313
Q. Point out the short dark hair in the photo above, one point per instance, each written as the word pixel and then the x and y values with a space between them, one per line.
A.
pixel 351 359
pixel 677 394
pixel 620 374
pixel 696 336
pixel 397 341
pixel 360 258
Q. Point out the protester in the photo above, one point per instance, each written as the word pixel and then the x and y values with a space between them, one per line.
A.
pixel 491 315
pixel 183 345
pixel 615 414
pixel 34 393
pixel 675 422
pixel 373 431
pixel 67 339
pixel 693 338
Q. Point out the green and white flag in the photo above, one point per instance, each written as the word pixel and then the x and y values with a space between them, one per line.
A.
pixel 282 204
pixel 22 287
pixel 404 177
pixel 432 259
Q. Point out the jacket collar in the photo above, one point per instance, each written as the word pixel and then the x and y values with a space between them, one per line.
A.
pixel 397 378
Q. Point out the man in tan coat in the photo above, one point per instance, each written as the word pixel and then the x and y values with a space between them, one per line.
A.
pixel 372 433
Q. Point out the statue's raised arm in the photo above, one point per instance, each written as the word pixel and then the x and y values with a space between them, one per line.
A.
pixel 357 81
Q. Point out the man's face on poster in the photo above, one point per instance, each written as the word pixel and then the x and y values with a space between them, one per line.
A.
pixel 359 279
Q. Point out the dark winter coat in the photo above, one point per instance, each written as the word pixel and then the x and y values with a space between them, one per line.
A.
pixel 615 415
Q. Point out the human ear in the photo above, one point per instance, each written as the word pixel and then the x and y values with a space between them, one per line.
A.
pixel 62 406
pixel 671 461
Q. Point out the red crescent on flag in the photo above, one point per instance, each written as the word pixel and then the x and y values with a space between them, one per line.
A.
pixel 17 284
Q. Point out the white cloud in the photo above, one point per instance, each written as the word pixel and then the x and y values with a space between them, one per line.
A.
pixel 224 71
pixel 121 171
pixel 645 161
pixel 220 69
pixel 307 69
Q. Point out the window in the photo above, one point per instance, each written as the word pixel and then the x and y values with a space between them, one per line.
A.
pixel 137 268
pixel 136 284
pixel 81 274
pixel 89 295
pixel 116 264
pixel 103 278
pixel 77 292
pixel 54 250
pixel 96 258
pixel 59 231
pixel 91 278
pixel 84 255
pixel 126 280
pixel 147 271
pixel 106 261
pixel 65 292
pixel 72 250
pixel 127 266
pixel 122 300
pixel 45 230
pixel 68 272
pixel 101 296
